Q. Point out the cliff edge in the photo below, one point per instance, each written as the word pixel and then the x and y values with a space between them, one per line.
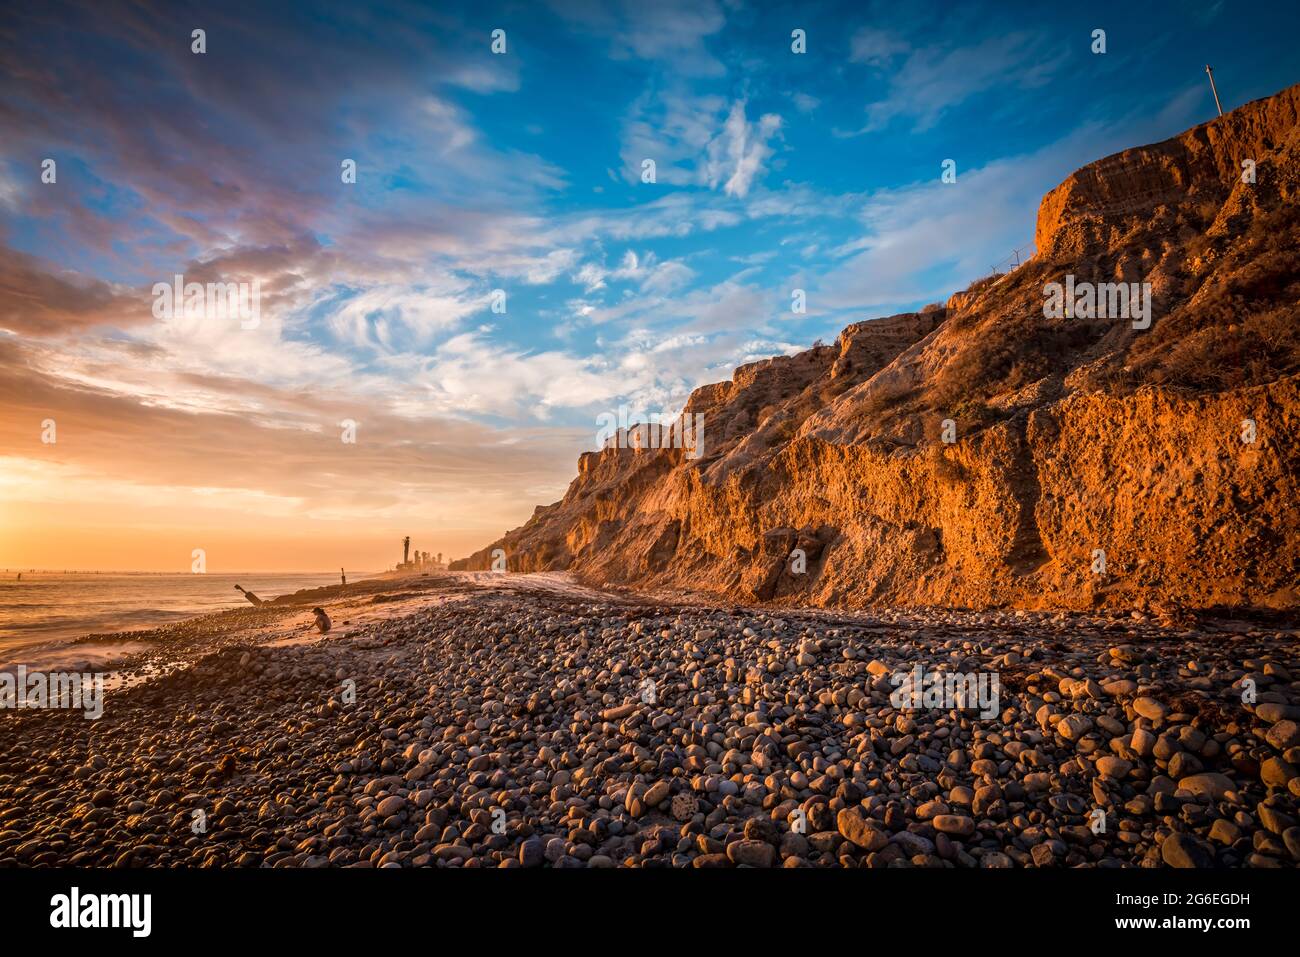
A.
pixel 992 453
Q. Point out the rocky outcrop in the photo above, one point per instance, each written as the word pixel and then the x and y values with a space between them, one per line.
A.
pixel 984 453
pixel 1124 189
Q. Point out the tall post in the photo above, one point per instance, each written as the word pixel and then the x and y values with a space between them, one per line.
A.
pixel 1215 90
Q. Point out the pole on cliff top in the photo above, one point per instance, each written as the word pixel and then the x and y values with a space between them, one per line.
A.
pixel 1210 70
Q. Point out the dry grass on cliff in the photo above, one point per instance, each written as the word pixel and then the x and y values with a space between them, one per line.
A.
pixel 1023 351
pixel 1244 328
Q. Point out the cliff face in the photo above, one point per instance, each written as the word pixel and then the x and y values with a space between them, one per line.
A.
pixel 982 454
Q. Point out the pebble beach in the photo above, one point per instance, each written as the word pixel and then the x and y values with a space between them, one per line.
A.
pixel 522 721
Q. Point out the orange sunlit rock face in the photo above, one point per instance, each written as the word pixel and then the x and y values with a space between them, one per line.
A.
pixel 1163 449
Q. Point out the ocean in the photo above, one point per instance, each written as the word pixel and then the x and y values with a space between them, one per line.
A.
pixel 46 609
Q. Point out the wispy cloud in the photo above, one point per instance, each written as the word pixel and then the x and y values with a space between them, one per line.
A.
pixel 673 32
pixel 737 154
pixel 698 140
pixel 925 82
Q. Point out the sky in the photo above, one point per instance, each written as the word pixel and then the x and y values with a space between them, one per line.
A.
pixel 435 340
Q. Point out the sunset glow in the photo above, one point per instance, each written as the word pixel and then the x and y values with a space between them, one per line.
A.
pixel 476 173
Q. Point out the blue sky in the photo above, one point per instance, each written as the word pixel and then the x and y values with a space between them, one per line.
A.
pixel 522 172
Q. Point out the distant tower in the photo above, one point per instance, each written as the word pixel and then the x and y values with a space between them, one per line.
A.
pixel 406 549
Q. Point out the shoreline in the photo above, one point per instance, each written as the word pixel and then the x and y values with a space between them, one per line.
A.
pixel 35 649
pixel 284 618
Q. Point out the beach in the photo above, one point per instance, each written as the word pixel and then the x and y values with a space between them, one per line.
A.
pixel 524 720
pixel 42 611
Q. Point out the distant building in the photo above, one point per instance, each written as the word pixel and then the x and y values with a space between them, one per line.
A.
pixel 422 562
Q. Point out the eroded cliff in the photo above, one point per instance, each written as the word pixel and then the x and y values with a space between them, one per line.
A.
pixel 983 454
